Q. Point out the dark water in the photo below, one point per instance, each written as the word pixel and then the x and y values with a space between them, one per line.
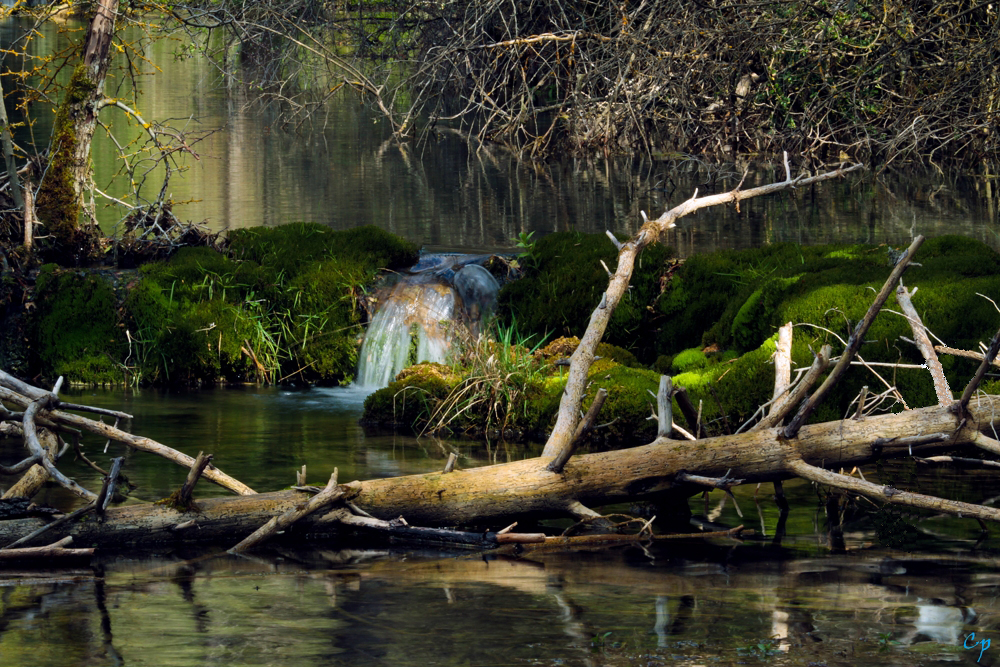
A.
pixel 808 597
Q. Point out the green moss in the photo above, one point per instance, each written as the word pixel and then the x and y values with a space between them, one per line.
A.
pixel 75 327
pixel 280 303
pixel 289 248
pixel 628 405
pixel 731 297
pixel 730 392
pixel 617 354
pixel 410 400
pixel 325 330
pixel 688 360
pixel 736 300
pixel 564 283
pixel 58 203
pixel 663 364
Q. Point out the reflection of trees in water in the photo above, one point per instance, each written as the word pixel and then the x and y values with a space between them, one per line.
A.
pixel 358 608
pixel 444 190
pixel 474 196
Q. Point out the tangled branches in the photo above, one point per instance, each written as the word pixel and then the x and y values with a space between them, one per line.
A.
pixel 882 81
pixel 875 81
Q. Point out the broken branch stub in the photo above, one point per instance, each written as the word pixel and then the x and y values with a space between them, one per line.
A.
pixel 330 494
pixel 777 415
pixel 559 462
pixel 970 388
pixel 576 383
pixel 923 343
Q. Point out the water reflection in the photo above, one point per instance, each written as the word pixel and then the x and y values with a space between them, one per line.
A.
pixel 621 607
pixel 449 193
pixel 784 600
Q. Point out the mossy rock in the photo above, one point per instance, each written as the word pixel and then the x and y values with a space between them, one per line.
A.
pixel 75 327
pixel 728 297
pixel 730 392
pixel 628 406
pixel 564 283
pixel 689 360
pixel 738 299
pixel 563 348
pixel 410 399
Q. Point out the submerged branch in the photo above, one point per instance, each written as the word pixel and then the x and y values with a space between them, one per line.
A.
pixel 26 396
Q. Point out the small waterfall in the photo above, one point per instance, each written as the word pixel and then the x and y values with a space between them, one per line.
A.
pixel 429 301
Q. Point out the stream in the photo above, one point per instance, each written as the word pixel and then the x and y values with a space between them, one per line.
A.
pixel 883 590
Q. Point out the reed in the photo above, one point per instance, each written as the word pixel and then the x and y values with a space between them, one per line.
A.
pixel 499 371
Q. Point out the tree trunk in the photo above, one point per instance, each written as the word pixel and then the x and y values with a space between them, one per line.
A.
pixel 61 192
pixel 8 154
pixel 493 495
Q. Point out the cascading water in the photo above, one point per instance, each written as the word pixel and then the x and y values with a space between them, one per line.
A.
pixel 429 301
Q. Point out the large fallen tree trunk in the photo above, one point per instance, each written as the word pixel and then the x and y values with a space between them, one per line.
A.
pixel 491 495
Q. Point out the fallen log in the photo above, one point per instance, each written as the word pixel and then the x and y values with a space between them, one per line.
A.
pixel 492 495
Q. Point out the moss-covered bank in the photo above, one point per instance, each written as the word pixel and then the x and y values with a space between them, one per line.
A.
pixel 278 303
pixel 711 323
pixel 563 282
pixel 467 399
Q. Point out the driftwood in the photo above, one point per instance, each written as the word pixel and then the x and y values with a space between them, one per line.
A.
pixel 54 550
pixel 490 495
pixel 24 395
pixel 559 483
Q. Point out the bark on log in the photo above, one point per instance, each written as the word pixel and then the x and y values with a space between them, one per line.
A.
pixel 35 477
pixel 493 494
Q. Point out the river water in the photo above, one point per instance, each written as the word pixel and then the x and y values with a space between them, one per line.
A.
pixel 873 593
pixel 857 596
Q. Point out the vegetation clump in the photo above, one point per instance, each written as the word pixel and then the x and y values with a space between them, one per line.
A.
pixel 736 300
pixel 75 327
pixel 279 303
pixel 564 281
pixel 501 387
pixel 712 324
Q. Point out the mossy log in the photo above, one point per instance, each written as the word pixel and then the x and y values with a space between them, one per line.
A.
pixel 490 496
